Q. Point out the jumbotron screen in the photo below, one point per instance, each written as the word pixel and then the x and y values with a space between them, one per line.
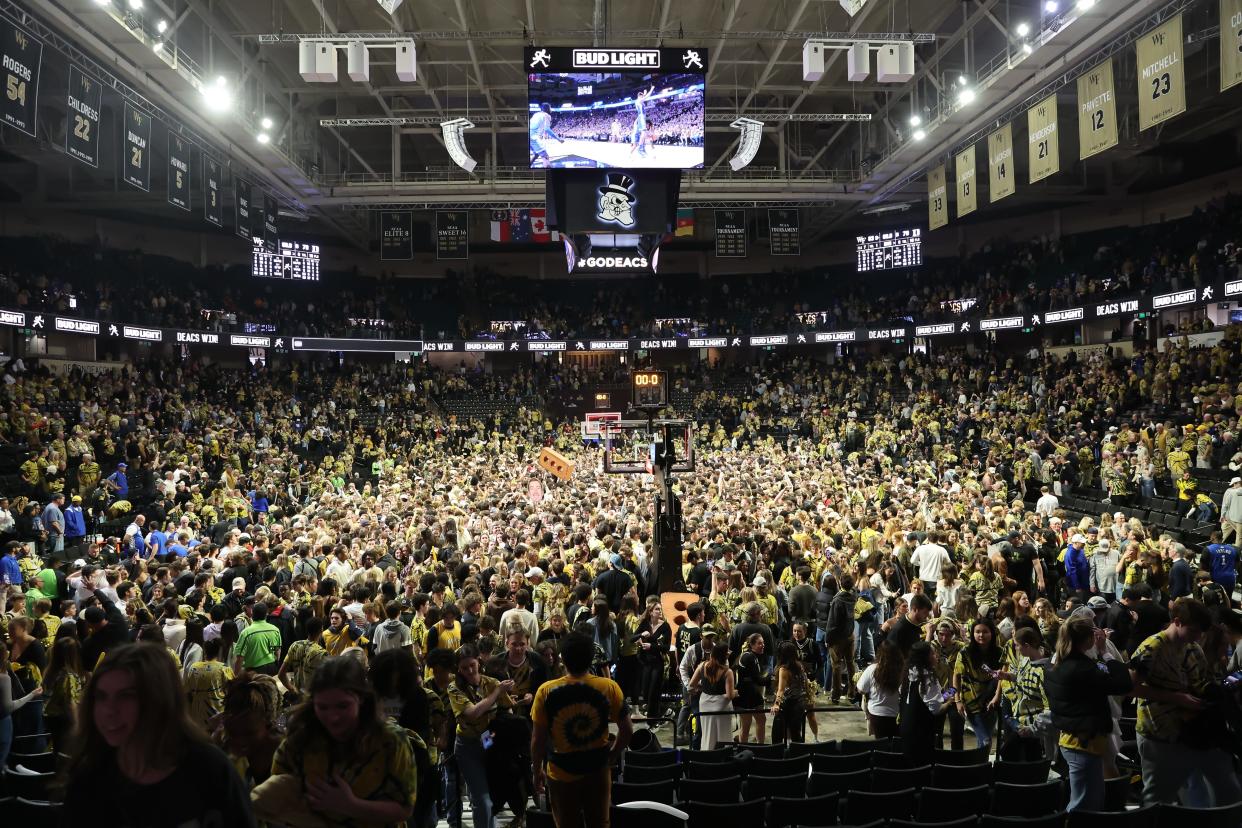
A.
pixel 890 249
pixel 641 108
pixel 298 261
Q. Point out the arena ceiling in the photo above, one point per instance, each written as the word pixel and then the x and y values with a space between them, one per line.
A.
pixel 470 64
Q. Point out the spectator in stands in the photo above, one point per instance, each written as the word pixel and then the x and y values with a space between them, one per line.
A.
pixel 571 747
pixel 476 699
pixel 1171 676
pixel 1078 689
pixel 976 679
pixel 139 749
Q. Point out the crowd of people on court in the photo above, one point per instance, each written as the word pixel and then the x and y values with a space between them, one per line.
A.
pixel 853 530
pixel 292 591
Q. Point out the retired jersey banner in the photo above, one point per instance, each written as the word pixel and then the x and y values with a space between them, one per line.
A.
pixel 1230 43
pixel 82 130
pixel 967 186
pixel 937 199
pixel 136 149
pixel 243 220
pixel 1000 164
pixel 1044 147
pixel 396 234
pixel 178 171
pixel 1097 110
pixel 21 55
pixel 211 192
pixel 1161 79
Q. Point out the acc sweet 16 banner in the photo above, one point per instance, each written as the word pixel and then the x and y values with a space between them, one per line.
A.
pixel 20 57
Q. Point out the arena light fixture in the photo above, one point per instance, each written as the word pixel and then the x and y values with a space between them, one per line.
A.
pixel 966 96
pixel 263 138
pixel 103 2
pixel 135 4
pixel 1051 6
pixel 162 26
pixel 157 46
pixel 915 120
pixel 1026 49
pixel 266 123
pixel 748 142
pixel 1085 5
pixel 455 142
pixel 217 96
pixel 919 135
pixel 1023 29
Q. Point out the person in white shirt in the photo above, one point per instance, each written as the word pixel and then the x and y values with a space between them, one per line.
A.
pixel 520 616
pixel 339 569
pixel 930 558
pixel 1047 503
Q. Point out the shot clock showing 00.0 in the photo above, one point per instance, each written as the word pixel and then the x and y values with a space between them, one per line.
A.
pixel 650 389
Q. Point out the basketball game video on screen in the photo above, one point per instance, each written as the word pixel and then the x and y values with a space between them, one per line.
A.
pixel 626 119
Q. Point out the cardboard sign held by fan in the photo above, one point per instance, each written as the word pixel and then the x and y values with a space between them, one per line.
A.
pixel 556 464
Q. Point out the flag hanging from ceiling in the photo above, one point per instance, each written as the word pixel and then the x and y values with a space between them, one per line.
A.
pixel 522 226
pixel 685 221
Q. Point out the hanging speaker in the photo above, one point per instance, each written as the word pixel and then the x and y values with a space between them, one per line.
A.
pixel 406 61
pixel 357 61
pixel 812 61
pixel 894 62
pixel 858 62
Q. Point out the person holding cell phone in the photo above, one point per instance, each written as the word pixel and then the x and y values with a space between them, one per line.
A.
pixel 923 699
pixel 476 699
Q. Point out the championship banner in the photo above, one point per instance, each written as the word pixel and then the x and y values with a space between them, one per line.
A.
pixel 966 184
pixel 1230 43
pixel 730 234
pixel 136 149
pixel 1161 80
pixel 785 232
pixel 1097 111
pixel 22 54
pixel 271 211
pixel 937 199
pixel 82 131
pixel 243 220
pixel 396 240
pixel 1000 164
pixel 178 171
pixel 212 211
pixel 452 234
pixel 1044 147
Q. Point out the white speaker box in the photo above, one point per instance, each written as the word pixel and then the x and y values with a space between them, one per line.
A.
pixel 894 62
pixel 812 61
pixel 357 61
pixel 317 61
pixel 406 62
pixel 858 62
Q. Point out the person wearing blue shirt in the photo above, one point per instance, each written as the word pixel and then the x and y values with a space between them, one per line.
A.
pixel 259 505
pixel 1077 567
pixel 118 483
pixel 10 570
pixel 157 541
pixel 1222 561
pixel 75 522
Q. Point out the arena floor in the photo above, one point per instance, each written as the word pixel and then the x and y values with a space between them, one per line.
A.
pixel 605 153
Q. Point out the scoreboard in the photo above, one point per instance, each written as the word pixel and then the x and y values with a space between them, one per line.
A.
pixel 890 250
pixel 292 260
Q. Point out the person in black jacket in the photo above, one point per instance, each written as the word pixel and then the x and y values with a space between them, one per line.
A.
pixel 823 603
pixel 108 629
pixel 840 637
pixel 1078 688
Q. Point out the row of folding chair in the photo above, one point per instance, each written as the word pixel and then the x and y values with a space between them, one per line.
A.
pixel 906 811
pixel 846 772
